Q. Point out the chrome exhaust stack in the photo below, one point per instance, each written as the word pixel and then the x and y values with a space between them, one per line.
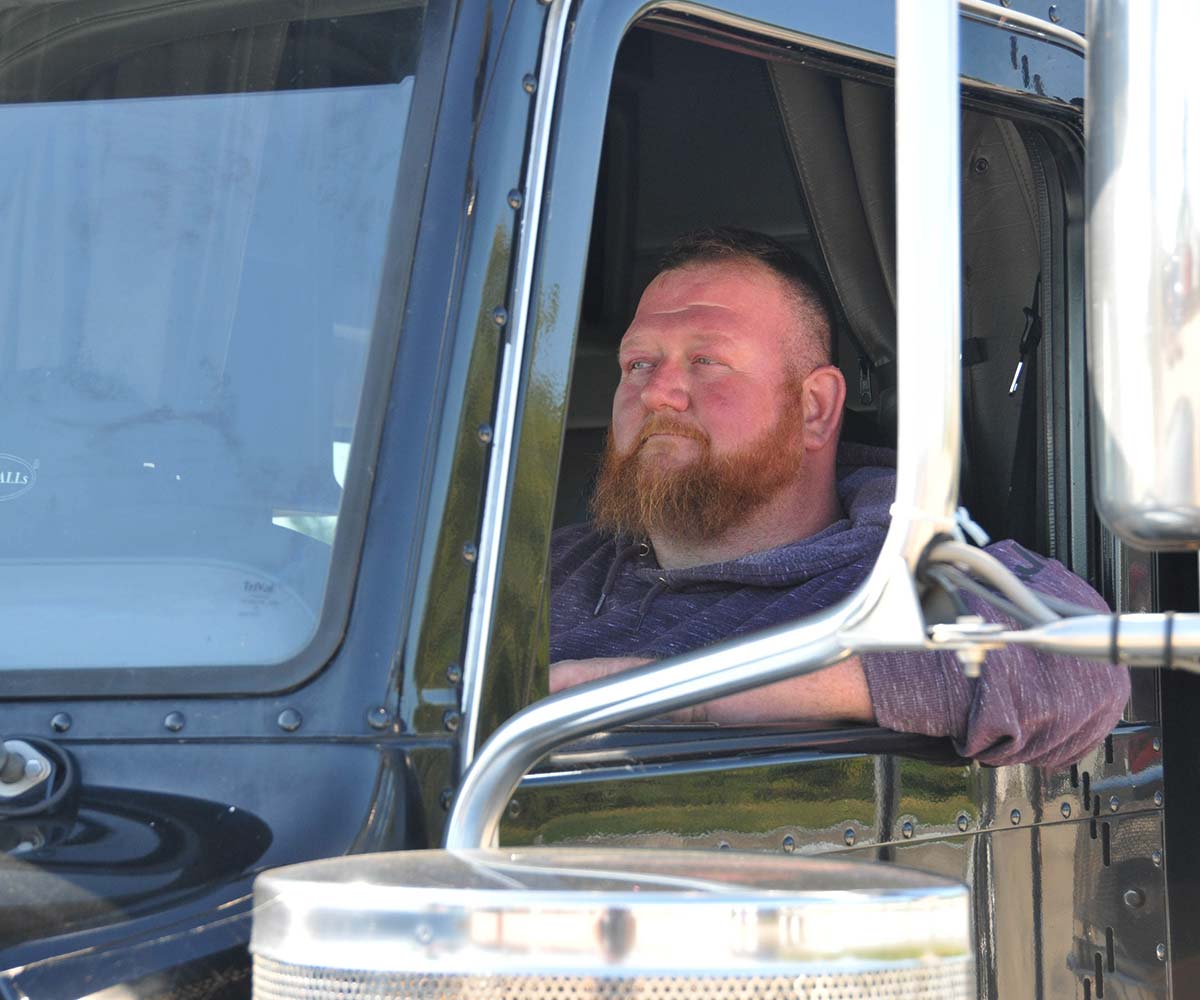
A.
pixel 1143 247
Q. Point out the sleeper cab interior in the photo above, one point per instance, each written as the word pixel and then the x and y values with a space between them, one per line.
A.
pixel 700 135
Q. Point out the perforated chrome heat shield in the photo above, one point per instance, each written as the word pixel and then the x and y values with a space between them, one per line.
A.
pixel 619 925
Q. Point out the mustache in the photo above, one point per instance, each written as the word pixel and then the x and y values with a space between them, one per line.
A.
pixel 661 423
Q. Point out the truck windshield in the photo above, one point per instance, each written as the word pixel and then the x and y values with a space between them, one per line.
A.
pixel 194 213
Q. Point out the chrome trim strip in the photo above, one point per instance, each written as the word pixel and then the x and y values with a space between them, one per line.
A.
pixel 1027 24
pixel 496 500
pixel 883 613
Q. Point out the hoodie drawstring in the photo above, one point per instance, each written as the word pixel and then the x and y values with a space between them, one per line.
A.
pixel 659 586
pixel 624 554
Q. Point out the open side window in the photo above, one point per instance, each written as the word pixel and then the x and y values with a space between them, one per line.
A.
pixel 700 135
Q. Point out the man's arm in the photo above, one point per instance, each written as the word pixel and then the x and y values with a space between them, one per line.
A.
pixel 1028 707
pixel 835 693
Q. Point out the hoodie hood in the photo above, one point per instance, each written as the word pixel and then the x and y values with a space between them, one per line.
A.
pixel 610 596
pixel 866 488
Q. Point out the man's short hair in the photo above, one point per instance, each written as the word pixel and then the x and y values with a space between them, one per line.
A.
pixel 731 244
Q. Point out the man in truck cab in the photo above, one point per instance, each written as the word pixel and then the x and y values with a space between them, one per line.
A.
pixel 726 503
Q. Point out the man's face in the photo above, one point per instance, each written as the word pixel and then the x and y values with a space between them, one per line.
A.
pixel 707 414
pixel 707 354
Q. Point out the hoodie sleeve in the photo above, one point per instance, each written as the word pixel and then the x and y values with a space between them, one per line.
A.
pixel 1027 707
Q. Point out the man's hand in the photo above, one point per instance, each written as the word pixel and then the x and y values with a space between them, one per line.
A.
pixel 835 693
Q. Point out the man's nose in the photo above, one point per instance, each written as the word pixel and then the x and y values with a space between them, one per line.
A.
pixel 667 389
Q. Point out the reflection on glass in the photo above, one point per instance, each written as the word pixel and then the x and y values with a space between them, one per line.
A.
pixel 187 290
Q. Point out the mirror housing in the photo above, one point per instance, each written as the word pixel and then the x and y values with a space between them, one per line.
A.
pixel 1143 264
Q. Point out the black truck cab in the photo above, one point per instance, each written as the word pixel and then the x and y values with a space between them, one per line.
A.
pixel 308 320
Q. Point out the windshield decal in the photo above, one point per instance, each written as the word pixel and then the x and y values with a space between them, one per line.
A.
pixel 17 476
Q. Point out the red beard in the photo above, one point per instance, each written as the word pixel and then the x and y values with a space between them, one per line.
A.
pixel 702 500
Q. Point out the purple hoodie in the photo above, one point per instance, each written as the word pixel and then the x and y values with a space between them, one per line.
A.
pixel 611 598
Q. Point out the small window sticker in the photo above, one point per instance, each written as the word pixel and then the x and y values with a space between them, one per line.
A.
pixel 257 594
pixel 17 476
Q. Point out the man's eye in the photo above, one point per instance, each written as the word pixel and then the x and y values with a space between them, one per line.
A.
pixel 639 365
pixel 706 361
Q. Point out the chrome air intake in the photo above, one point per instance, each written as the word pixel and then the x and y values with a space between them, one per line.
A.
pixel 532 924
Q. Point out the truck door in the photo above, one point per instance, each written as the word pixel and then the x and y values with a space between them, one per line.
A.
pixel 669 117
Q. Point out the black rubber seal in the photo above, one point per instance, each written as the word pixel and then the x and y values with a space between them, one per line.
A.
pixel 923 561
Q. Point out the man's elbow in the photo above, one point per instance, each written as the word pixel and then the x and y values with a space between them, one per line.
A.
pixel 1106 709
pixel 1070 723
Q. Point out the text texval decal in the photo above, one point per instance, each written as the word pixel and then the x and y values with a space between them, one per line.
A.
pixel 17 476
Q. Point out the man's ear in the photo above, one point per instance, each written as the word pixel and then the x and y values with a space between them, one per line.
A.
pixel 824 397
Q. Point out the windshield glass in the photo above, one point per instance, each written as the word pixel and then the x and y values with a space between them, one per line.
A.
pixel 194 214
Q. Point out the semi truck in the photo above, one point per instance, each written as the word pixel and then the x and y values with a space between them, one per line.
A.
pixel 308 324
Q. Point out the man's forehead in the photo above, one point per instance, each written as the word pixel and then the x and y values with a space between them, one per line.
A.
pixel 699 313
pixel 718 284
pixel 709 323
pixel 711 300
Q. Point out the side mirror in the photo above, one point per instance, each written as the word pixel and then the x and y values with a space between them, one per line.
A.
pixel 1143 250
